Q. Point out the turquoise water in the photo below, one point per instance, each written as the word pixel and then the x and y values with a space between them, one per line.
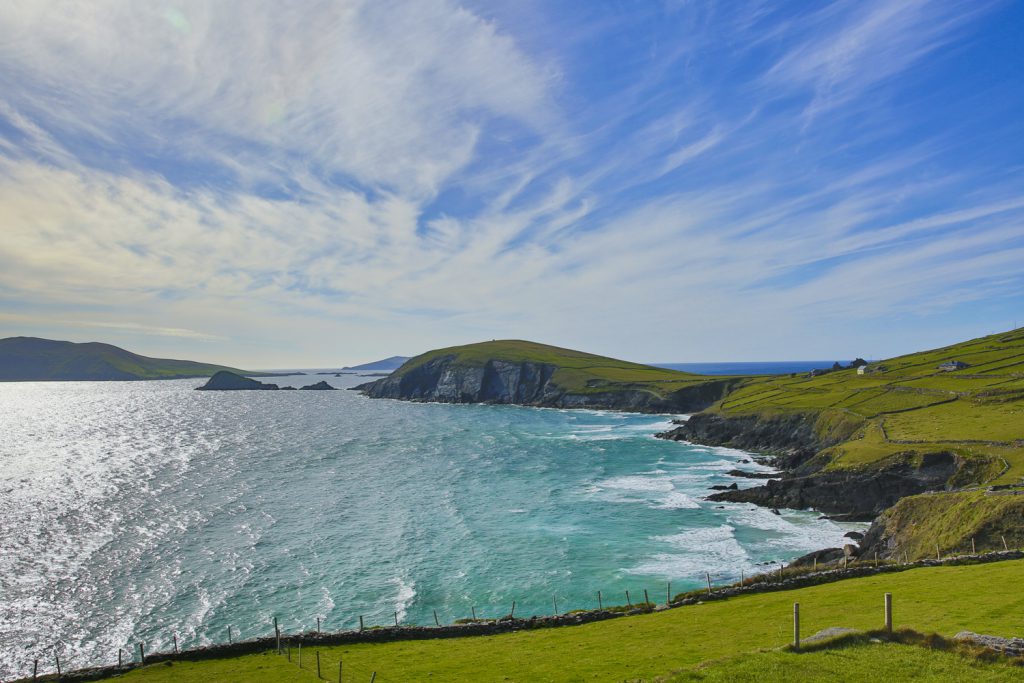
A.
pixel 136 510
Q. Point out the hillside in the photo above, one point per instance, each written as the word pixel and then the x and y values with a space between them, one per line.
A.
pixel 26 359
pixel 684 643
pixel 528 373
pixel 859 443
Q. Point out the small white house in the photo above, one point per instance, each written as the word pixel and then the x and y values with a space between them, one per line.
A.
pixel 862 370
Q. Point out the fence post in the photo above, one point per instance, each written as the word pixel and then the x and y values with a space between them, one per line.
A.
pixel 708 575
pixel 629 603
pixel 120 658
pixel 668 594
pixel 973 550
pixel 318 664
pixel 796 625
pixel 473 610
pixel 57 658
pixel 175 636
pixel 647 600
pixel 360 622
pixel 35 668
pixel 396 618
pixel 512 614
pixel 300 655
pixel 436 622
pixel 277 636
pixel 888 612
pixel 339 670
pixel 318 625
pixel 599 605
pixel 142 654
pixel 937 555
pixel 229 635
pixel 373 677
pixel 1005 547
pixel 815 564
pixel 554 602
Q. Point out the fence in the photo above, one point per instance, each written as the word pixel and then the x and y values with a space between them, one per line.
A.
pixel 289 645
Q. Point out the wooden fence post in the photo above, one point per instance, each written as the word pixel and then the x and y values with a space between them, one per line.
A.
pixel 668 594
pixel 318 625
pixel 973 550
pixel 277 635
pixel 229 635
pixel 396 618
pixel 937 555
pixel 512 614
pixel 629 603
pixel 554 602
pixel 120 658
pixel 142 654
pixel 473 610
pixel 175 636
pixel 339 670
pixel 647 600
pixel 708 575
pixel 1005 547
pixel 599 605
pixel 300 654
pixel 57 658
pixel 436 622
pixel 373 677
pixel 35 668
pixel 888 612
pixel 360 622
pixel 318 664
pixel 796 625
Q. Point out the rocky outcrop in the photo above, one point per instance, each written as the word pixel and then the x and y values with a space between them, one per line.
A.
pixel 853 494
pixel 229 381
pixel 792 438
pixel 319 386
pixel 444 380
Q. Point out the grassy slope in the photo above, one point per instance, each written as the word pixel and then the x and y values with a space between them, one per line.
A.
pixel 981 598
pixel 864 662
pixel 577 372
pixel 28 358
pixel 912 406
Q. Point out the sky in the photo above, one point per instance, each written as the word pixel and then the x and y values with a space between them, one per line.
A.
pixel 317 183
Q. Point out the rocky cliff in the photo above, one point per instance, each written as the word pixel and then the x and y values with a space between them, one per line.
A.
pixel 799 442
pixel 445 380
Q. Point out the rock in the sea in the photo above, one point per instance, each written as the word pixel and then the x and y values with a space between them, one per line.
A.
pixel 319 386
pixel 722 487
pixel 229 381
pixel 753 475
pixel 855 535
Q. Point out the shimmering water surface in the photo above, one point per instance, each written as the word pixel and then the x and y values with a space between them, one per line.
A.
pixel 136 510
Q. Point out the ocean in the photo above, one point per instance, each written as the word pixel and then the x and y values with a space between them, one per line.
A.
pixel 135 511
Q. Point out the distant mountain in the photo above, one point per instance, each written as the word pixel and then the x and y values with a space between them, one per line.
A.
pixel 28 359
pixel 386 365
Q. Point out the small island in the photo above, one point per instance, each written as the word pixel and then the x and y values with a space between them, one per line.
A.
pixel 230 381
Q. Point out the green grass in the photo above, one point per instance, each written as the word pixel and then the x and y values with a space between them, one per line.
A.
pixel 859 661
pixel 982 598
pixel 577 372
pixel 912 407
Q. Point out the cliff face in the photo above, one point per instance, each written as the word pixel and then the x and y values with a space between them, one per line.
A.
pixel 795 440
pixel 528 383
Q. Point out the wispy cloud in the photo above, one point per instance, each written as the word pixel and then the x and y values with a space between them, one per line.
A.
pixel 338 181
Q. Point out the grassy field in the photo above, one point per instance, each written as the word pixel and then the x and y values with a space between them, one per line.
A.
pixel 578 372
pixel 944 600
pixel 907 404
pixel 860 660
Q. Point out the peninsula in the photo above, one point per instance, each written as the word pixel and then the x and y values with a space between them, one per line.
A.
pixel 31 359
pixel 528 373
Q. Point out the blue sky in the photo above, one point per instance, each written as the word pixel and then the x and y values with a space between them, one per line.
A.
pixel 314 183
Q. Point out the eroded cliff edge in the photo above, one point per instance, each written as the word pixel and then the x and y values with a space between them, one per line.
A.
pixel 445 379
